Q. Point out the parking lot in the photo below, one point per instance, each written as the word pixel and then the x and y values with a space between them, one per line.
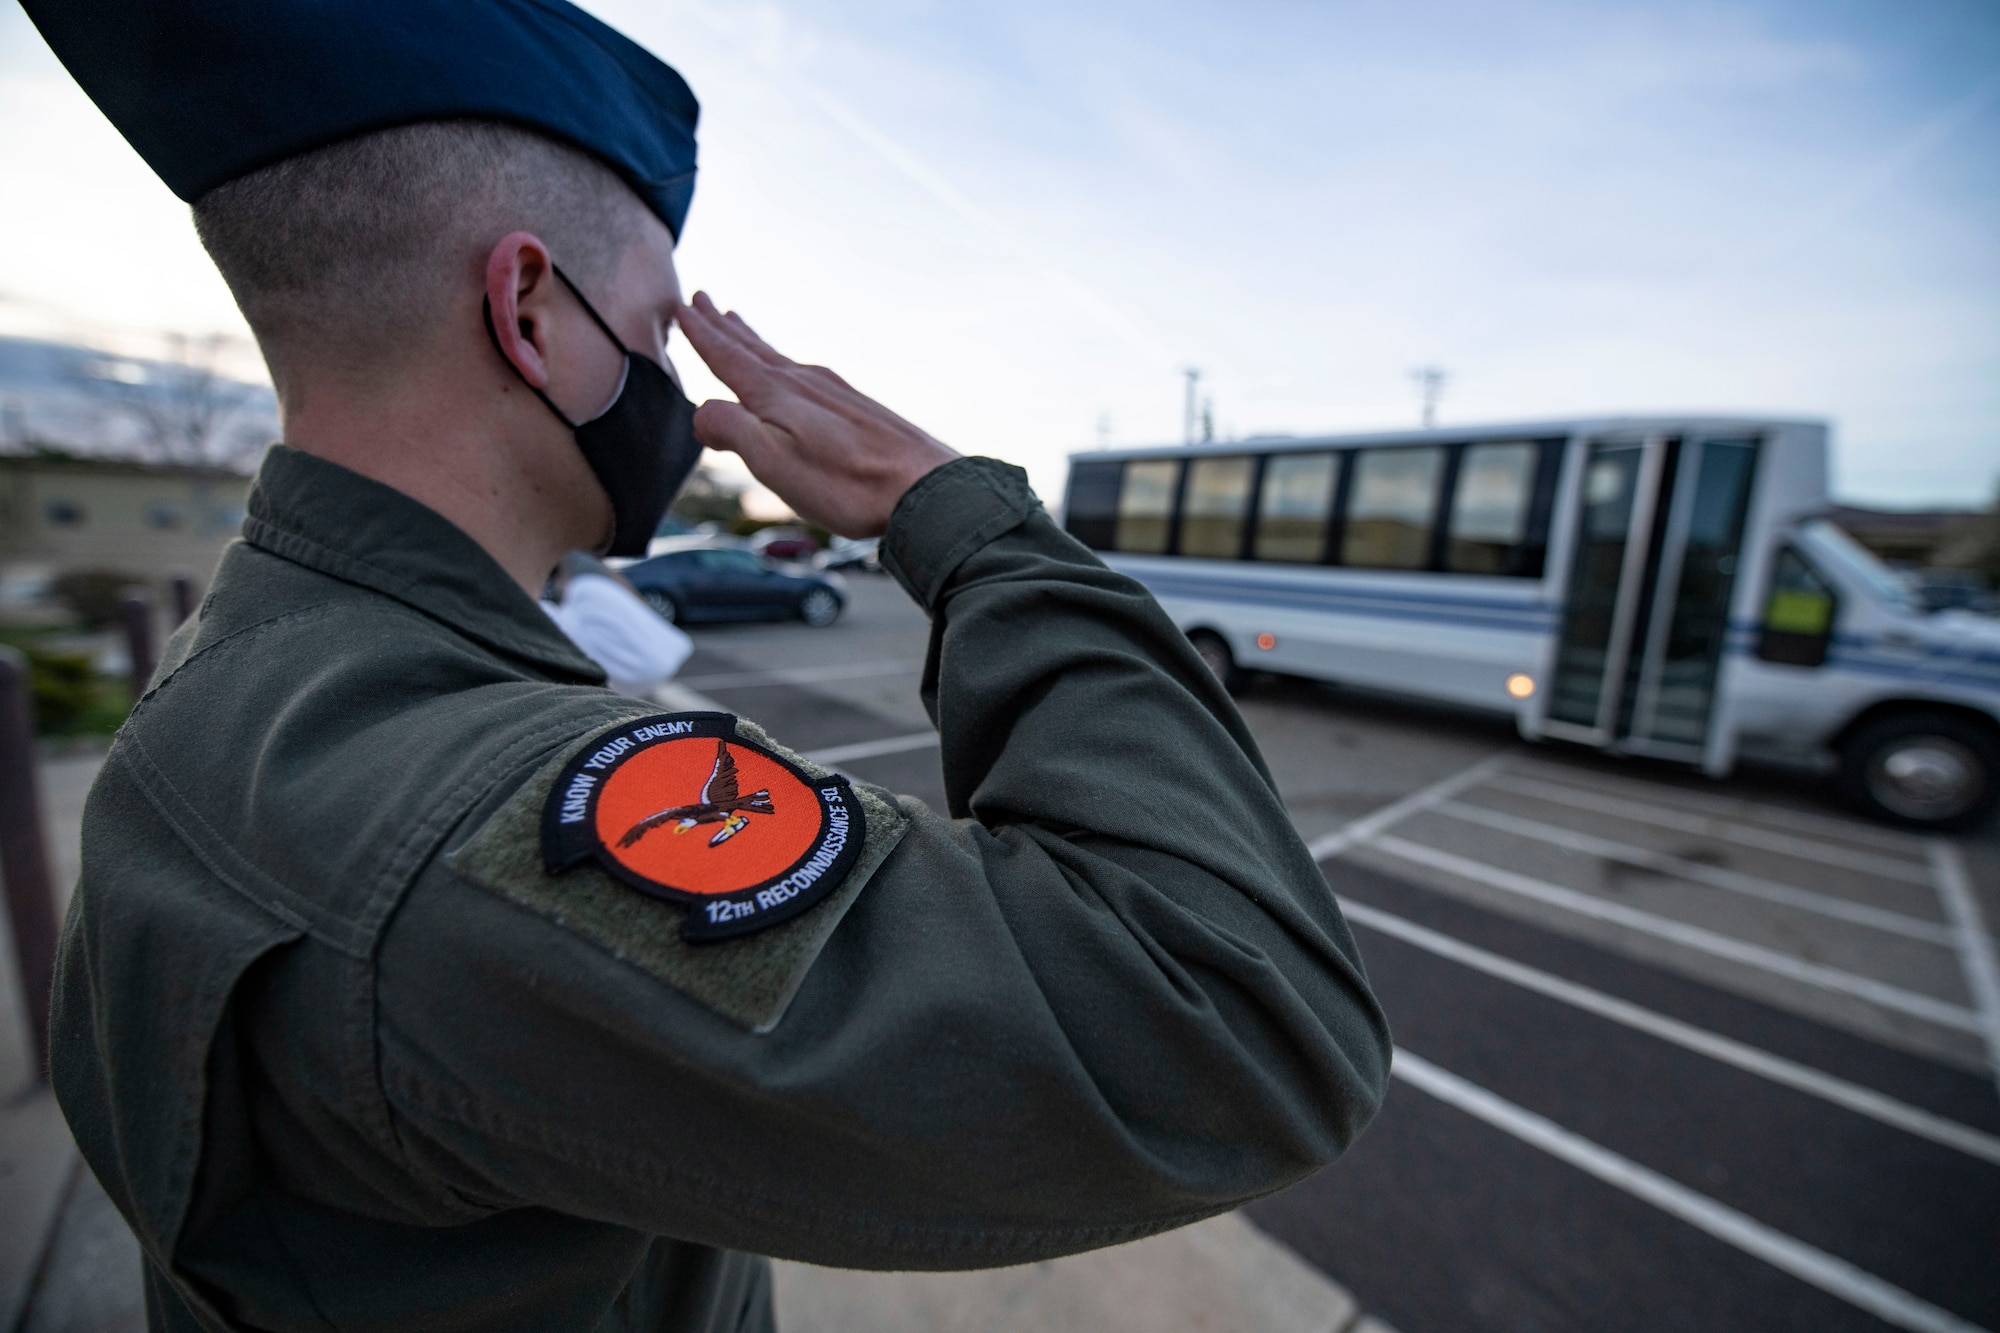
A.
pixel 1671 1053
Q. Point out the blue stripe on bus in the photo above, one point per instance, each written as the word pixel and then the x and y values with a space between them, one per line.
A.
pixel 1851 652
pixel 1743 638
pixel 1934 646
pixel 1987 684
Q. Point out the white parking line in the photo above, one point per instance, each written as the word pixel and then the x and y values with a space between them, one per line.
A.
pixel 1732 881
pixel 841 754
pixel 1694 937
pixel 1715 826
pixel 803 675
pixel 1802 1078
pixel 1370 825
pixel 676 695
pixel 1731 807
pixel 1975 946
pixel 1808 1263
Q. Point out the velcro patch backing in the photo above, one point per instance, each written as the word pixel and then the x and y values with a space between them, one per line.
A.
pixel 750 978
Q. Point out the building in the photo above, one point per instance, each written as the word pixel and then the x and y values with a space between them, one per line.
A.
pixel 122 465
pixel 62 512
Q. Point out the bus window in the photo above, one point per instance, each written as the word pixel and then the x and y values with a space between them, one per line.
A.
pixel 1389 517
pixel 1146 505
pixel 1091 511
pixel 1292 511
pixel 1798 615
pixel 1489 508
pixel 1218 493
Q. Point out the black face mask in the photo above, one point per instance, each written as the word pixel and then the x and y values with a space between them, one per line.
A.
pixel 642 447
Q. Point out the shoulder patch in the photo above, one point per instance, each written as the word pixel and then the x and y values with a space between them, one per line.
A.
pixel 749 978
pixel 680 806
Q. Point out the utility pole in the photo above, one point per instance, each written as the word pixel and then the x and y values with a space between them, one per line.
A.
pixel 1190 409
pixel 1430 383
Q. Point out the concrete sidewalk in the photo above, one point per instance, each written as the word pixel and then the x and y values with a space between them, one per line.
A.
pixel 1218 1276
pixel 38 1164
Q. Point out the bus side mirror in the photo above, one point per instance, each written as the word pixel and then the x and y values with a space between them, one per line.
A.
pixel 1798 615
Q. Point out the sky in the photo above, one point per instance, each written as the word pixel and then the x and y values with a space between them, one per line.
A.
pixel 1018 223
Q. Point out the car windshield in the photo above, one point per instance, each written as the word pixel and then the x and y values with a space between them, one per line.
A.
pixel 1856 561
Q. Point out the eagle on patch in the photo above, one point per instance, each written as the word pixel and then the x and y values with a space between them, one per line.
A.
pixel 719 804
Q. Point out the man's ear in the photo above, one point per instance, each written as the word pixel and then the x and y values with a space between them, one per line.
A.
pixel 519 277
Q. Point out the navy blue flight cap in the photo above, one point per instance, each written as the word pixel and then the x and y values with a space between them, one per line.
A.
pixel 209 90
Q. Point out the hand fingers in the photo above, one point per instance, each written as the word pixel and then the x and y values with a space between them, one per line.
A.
pixel 745 373
pixel 765 380
pixel 800 403
pixel 716 346
pixel 755 340
pixel 721 424
pixel 737 429
pixel 733 327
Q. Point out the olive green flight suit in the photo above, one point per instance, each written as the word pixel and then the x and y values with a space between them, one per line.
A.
pixel 347 1057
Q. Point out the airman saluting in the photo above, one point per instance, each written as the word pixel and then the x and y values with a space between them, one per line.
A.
pixel 377 1004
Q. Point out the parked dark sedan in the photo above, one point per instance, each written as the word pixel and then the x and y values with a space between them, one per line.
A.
pixel 728 583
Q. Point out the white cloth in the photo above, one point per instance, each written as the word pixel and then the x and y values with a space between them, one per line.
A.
pixel 620 633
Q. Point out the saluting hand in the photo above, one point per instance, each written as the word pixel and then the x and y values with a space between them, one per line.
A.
pixel 836 456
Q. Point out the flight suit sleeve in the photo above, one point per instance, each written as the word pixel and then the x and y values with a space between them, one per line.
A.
pixel 1108 993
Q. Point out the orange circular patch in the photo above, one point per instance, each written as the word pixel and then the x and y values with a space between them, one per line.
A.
pixel 677 805
pixel 677 853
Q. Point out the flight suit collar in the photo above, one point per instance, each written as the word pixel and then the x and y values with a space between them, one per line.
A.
pixel 328 518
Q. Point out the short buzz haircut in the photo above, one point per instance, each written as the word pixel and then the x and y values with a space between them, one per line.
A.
pixel 344 255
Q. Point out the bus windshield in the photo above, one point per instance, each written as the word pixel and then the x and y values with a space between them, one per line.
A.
pixel 1859 563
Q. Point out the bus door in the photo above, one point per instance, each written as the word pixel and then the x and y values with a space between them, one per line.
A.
pixel 1657 531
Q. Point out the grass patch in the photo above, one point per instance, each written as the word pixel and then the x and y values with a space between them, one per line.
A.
pixel 71 696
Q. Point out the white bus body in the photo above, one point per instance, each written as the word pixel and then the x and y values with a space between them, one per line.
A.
pixel 1656 586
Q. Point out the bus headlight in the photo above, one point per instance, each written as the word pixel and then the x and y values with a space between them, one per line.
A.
pixel 1521 685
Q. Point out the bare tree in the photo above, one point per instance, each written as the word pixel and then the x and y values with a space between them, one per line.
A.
pixel 185 406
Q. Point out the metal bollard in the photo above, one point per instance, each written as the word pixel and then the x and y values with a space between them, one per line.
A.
pixel 137 609
pixel 24 852
pixel 184 599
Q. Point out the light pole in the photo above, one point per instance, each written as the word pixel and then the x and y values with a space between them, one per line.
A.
pixel 1430 383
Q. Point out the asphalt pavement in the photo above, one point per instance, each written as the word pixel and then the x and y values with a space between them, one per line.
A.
pixel 1672 1053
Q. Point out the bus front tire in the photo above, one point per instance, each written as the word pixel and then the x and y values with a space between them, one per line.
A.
pixel 1931 769
pixel 1215 652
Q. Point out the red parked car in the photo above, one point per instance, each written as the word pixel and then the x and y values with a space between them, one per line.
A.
pixel 783 544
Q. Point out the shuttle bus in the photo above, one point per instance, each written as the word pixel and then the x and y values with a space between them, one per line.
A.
pixel 1657 586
